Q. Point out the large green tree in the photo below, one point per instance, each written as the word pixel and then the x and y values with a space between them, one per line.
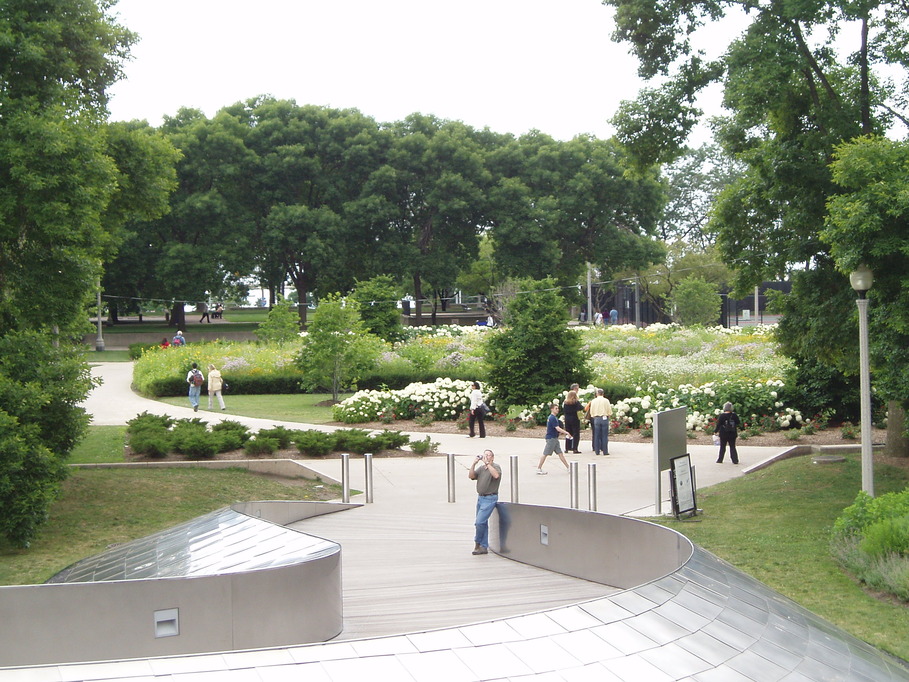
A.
pixel 429 201
pixel 799 80
pixel 309 166
pixel 64 191
pixel 560 205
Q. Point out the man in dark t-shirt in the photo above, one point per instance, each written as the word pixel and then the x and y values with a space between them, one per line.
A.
pixel 488 475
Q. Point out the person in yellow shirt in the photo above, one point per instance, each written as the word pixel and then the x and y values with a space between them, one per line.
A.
pixel 600 410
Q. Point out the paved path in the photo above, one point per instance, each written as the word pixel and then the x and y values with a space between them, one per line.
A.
pixel 407 563
pixel 625 480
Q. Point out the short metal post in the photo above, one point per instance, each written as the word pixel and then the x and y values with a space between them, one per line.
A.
pixel 592 486
pixel 367 458
pixel 514 478
pixel 573 480
pixel 451 477
pixel 345 477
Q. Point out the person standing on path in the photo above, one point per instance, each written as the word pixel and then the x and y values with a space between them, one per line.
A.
pixel 488 477
pixel 215 386
pixel 727 427
pixel 572 407
pixel 477 413
pixel 552 439
pixel 600 410
pixel 195 379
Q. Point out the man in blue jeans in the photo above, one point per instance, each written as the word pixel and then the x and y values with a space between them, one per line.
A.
pixel 488 476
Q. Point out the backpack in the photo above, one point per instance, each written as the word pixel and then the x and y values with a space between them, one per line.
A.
pixel 730 425
pixel 197 378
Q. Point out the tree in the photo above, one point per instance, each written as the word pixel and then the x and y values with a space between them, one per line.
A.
pixel 536 355
pixel 429 201
pixel 59 215
pixel 282 324
pixel 309 168
pixel 796 90
pixel 378 300
pixel 696 301
pixel 337 349
pixel 868 223
pixel 557 206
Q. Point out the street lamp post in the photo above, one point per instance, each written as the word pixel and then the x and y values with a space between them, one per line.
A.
pixel 861 280
pixel 99 340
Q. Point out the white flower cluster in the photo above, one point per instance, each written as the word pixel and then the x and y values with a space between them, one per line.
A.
pixel 789 417
pixel 445 398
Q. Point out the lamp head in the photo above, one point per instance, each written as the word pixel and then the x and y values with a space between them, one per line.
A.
pixel 861 279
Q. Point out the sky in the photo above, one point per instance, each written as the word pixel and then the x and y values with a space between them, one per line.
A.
pixel 510 65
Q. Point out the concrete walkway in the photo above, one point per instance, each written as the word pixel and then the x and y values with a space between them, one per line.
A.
pixel 626 481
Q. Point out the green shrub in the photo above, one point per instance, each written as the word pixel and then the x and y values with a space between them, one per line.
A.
pixel 314 443
pixel 390 440
pixel 423 447
pixel 229 440
pixel 233 427
pixel 137 349
pixel 888 536
pixel 146 419
pixel 848 431
pixel 261 445
pixel 353 440
pixel 867 510
pixel 283 436
pixel 150 441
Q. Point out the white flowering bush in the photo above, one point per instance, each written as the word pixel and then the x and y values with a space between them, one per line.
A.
pixel 444 398
pixel 754 401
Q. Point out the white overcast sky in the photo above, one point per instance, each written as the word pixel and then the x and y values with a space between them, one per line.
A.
pixel 511 65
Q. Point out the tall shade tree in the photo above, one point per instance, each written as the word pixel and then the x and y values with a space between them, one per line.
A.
pixel 868 223
pixel 60 191
pixel 799 80
pixel 557 206
pixel 202 245
pixel 429 201
pixel 309 165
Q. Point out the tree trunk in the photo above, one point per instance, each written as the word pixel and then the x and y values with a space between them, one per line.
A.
pixel 897 443
pixel 418 298
pixel 178 316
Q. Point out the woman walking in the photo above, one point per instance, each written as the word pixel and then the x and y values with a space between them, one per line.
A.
pixel 571 409
pixel 215 385
pixel 727 427
pixel 477 411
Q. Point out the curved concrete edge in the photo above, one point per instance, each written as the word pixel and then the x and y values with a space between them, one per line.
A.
pixel 705 621
pixel 232 579
pixel 802 450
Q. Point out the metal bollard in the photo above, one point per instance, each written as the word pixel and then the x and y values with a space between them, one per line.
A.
pixel 367 458
pixel 592 486
pixel 345 477
pixel 451 477
pixel 573 480
pixel 514 478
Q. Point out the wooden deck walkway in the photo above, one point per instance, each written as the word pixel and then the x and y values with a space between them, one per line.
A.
pixel 409 573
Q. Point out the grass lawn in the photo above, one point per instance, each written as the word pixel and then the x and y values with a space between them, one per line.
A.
pixel 101 507
pixel 775 525
pixel 296 407
pixel 102 445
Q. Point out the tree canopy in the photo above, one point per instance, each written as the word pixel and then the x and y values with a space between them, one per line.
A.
pixel 68 182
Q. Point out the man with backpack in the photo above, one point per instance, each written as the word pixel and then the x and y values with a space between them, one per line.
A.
pixel 195 379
